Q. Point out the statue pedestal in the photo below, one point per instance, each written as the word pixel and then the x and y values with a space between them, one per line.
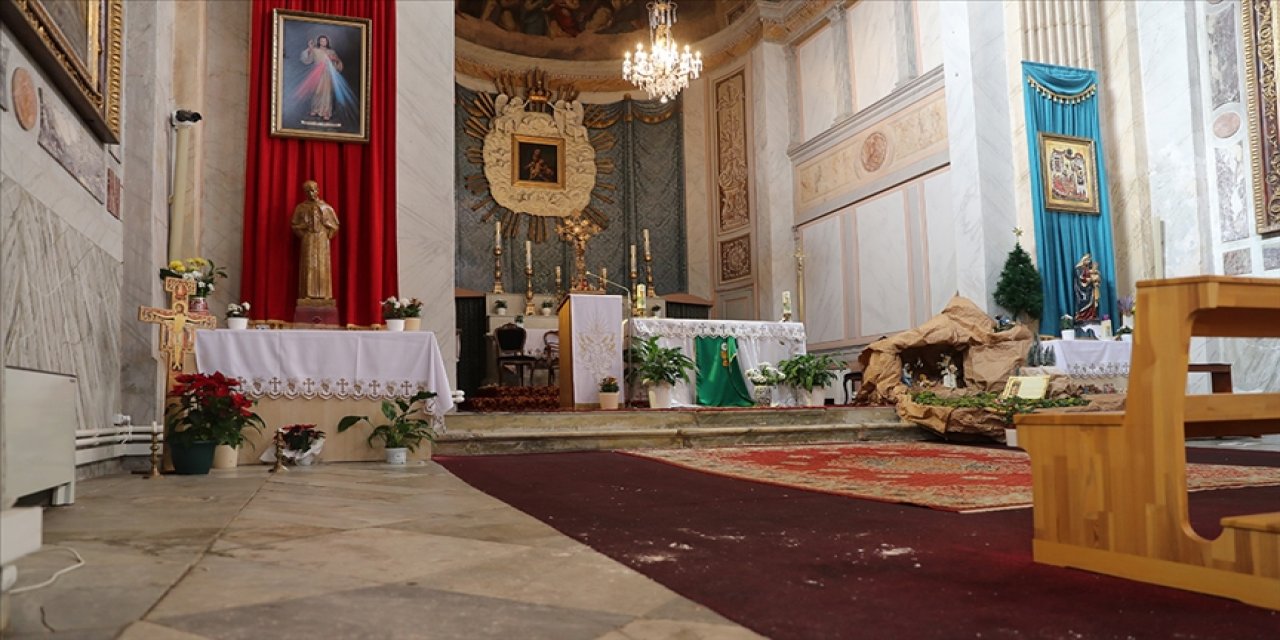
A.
pixel 316 312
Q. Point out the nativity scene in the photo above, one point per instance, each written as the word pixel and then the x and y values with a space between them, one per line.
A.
pixel 639 319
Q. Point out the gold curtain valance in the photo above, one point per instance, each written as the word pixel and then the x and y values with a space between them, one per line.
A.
pixel 1088 92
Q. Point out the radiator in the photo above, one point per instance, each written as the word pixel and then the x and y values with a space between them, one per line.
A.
pixel 40 422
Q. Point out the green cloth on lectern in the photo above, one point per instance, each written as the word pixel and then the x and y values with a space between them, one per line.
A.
pixel 718 385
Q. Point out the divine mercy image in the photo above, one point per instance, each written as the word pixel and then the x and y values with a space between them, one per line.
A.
pixel 321 77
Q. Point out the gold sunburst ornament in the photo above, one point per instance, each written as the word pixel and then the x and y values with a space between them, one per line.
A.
pixel 663 71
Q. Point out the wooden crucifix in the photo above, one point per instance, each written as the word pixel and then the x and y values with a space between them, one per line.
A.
pixel 177 324
pixel 577 231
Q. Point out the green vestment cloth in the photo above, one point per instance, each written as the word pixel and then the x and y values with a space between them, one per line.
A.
pixel 720 385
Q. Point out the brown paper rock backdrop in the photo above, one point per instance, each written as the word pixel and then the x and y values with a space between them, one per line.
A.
pixel 988 358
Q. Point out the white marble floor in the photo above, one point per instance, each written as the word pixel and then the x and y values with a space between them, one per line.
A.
pixel 332 551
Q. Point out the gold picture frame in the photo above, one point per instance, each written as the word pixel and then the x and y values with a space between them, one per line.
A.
pixel 320 76
pixel 1261 20
pixel 1069 173
pixel 530 166
pixel 79 44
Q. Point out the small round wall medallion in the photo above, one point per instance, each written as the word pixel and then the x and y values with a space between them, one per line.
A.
pixel 1226 125
pixel 26 103
pixel 874 151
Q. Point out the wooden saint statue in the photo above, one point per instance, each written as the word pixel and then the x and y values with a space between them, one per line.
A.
pixel 315 222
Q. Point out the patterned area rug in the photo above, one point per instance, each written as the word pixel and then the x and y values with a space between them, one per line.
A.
pixel 939 476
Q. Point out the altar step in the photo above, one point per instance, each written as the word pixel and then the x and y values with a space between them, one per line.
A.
pixel 505 433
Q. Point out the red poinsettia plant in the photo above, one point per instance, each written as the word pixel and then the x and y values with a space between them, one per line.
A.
pixel 300 437
pixel 210 407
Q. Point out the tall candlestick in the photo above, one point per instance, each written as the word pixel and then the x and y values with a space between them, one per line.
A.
pixel 633 257
pixel 528 253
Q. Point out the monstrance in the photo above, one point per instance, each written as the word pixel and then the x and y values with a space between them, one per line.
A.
pixel 578 230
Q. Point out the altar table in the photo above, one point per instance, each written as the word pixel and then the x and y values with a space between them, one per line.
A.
pixel 317 377
pixel 757 342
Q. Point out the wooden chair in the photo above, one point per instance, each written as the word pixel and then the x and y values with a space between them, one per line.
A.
pixel 509 351
pixel 1110 488
pixel 550 355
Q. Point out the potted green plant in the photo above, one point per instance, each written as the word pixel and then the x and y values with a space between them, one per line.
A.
pixel 412 314
pixel 809 374
pixel 547 307
pixel 1068 327
pixel 609 393
pixel 238 316
pixel 207 410
pixel 659 368
pixel 500 307
pixel 393 310
pixel 406 427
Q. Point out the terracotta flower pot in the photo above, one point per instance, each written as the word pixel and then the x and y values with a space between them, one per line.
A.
pixel 608 400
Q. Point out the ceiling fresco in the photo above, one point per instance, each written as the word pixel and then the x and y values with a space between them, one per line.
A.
pixel 582 29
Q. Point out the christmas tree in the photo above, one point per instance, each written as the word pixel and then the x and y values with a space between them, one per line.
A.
pixel 1019 288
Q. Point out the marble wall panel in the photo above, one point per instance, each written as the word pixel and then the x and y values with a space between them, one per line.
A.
pixel 774 214
pixel 824 280
pixel 62 136
pixel 1271 257
pixel 4 76
pixel 817 70
pixel 1237 262
pixel 873 45
pixel 940 240
pixel 928 35
pixel 884 265
pixel 697 189
pixel 425 177
pixel 1224 45
pixel 224 129
pixel 61 301
pixel 1235 217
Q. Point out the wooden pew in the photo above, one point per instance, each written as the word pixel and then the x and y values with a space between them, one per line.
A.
pixel 1110 489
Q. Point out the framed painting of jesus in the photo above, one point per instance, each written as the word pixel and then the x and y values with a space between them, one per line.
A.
pixel 1069 173
pixel 320 76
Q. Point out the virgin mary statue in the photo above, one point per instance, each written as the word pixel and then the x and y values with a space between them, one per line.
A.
pixel 324 84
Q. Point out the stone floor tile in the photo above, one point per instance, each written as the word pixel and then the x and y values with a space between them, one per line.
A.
pixel 143 630
pixel 75 634
pixel 380 555
pixel 682 630
pixel 502 524
pixel 393 612
pixel 217 583
pixel 582 580
pixel 78 608
pixel 681 608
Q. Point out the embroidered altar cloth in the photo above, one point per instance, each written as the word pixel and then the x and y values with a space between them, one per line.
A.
pixel 360 365
pixel 756 342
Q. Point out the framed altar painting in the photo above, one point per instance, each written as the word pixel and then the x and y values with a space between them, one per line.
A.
pixel 320 76
pixel 78 44
pixel 539 161
pixel 1069 173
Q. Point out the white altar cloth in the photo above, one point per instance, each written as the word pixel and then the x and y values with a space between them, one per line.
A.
pixel 1092 358
pixel 359 365
pixel 757 342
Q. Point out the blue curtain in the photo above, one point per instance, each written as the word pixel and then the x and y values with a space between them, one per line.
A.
pixel 1064 100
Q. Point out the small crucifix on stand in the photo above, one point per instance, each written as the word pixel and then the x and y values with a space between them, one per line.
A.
pixel 577 231
pixel 177 334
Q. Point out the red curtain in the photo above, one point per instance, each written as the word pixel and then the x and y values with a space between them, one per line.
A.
pixel 357 179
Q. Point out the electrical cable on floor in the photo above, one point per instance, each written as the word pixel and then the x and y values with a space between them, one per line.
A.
pixel 79 563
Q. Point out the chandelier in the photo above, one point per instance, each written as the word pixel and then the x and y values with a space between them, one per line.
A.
pixel 664 70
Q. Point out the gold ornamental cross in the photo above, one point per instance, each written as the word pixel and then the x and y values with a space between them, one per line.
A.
pixel 577 231
pixel 177 325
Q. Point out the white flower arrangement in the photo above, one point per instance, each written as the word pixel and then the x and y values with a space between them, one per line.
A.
pixel 765 374
pixel 238 310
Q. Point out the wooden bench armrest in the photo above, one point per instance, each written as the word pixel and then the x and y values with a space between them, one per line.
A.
pixel 1070 418
pixel 1269 522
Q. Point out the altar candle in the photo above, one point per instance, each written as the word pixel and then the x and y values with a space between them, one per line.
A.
pixel 558 283
pixel 786 302
pixel 604 276
pixel 640 297
pixel 646 244
pixel 528 254
pixel 633 258
pixel 155 427
pixel 497 234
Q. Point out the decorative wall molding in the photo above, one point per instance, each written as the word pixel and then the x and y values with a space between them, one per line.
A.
pixel 735 259
pixel 578 162
pixel 786 22
pixel 731 153
pixel 1261 24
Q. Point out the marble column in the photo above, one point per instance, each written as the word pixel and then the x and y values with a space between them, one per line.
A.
pixel 148 57
pixel 978 132
pixel 839 20
pixel 424 171
pixel 774 206
pixel 698 187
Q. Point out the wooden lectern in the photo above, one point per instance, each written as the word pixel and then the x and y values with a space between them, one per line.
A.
pixel 590 347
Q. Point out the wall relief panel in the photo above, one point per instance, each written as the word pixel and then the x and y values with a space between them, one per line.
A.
pixel 735 259
pixel 731 152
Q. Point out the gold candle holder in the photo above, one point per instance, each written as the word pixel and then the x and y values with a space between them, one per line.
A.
pixel 528 292
pixel 648 273
pixel 497 269
pixel 279 442
pixel 155 455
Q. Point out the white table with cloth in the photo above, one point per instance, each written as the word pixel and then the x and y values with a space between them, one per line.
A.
pixel 317 377
pixel 756 342
pixel 1097 363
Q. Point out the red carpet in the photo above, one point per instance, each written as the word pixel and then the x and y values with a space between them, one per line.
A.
pixel 939 476
pixel 799 564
